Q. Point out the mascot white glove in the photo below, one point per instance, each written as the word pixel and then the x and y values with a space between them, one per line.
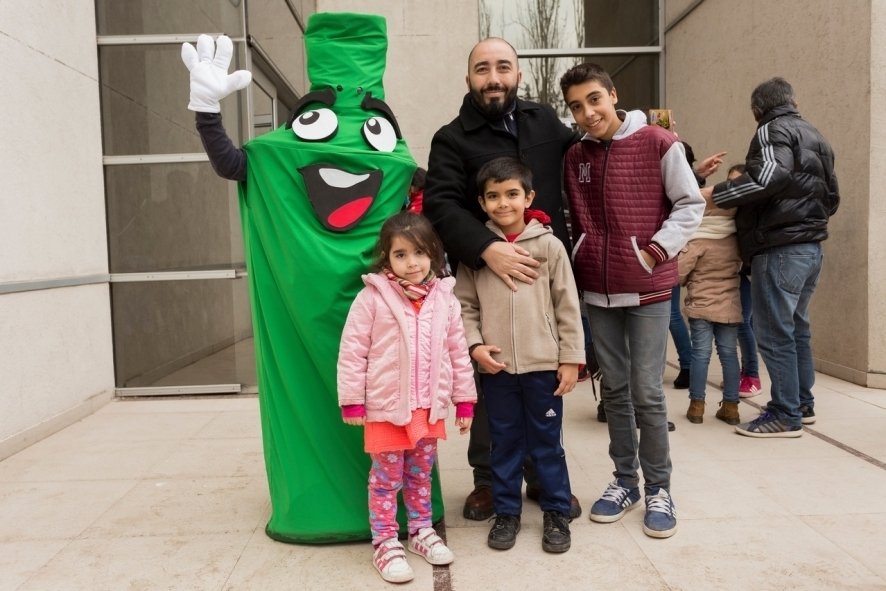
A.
pixel 210 81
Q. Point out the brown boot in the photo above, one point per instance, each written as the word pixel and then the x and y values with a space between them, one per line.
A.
pixel 728 412
pixel 695 414
pixel 478 505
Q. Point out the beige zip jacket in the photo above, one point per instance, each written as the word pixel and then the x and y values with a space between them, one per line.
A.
pixel 538 327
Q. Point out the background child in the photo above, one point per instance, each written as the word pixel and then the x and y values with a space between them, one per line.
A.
pixel 402 360
pixel 528 345
pixel 749 384
pixel 634 202
pixel 708 267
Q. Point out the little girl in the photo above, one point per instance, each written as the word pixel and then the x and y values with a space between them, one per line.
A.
pixel 403 359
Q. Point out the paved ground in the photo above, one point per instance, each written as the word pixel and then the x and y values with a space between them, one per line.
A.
pixel 171 494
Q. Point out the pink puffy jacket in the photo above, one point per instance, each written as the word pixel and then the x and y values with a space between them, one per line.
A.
pixel 394 360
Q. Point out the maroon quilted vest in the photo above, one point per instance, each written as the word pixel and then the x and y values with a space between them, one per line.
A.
pixel 617 197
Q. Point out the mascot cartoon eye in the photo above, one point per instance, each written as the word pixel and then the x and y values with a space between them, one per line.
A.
pixel 315 126
pixel 380 134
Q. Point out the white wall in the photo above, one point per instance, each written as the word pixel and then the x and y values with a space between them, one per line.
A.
pixel 428 46
pixel 55 344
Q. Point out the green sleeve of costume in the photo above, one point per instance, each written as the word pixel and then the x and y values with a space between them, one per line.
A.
pixel 312 207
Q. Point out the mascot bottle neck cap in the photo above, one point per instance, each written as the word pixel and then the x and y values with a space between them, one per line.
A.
pixel 347 52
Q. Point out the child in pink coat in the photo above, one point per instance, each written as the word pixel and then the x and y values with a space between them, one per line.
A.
pixel 403 360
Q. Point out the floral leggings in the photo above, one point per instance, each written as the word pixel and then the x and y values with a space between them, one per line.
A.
pixel 410 470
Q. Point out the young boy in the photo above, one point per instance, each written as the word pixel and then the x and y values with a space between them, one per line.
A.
pixel 634 203
pixel 528 345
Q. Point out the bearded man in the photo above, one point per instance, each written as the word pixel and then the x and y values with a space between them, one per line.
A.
pixel 493 122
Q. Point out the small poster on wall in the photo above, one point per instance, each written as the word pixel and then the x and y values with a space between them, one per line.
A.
pixel 663 118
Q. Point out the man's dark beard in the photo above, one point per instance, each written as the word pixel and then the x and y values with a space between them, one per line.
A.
pixel 496 109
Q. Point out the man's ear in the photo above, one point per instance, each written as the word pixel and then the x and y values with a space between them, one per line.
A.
pixel 468 82
pixel 529 198
pixel 614 96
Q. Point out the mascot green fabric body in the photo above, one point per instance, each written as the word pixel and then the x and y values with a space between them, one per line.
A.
pixel 316 193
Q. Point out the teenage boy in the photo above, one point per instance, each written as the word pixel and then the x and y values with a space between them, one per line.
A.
pixel 528 345
pixel 634 202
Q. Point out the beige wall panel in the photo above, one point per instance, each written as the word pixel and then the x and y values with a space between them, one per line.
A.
pixel 53 221
pixel 428 45
pixel 62 30
pixel 877 212
pixel 718 54
pixel 56 358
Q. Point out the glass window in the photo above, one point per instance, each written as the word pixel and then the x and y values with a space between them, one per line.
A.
pixel 144 98
pixel 171 217
pixel 549 24
pixel 168 17
pixel 635 78
pixel 274 28
pixel 182 333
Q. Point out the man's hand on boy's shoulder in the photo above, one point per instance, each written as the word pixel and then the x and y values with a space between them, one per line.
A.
pixel 509 261
pixel 482 354
pixel 567 374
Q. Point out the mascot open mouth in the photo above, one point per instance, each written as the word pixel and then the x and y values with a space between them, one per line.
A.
pixel 340 198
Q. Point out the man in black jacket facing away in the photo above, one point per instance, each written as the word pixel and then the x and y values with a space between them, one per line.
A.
pixel 784 200
pixel 492 122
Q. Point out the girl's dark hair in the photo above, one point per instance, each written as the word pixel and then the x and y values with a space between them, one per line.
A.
pixel 416 229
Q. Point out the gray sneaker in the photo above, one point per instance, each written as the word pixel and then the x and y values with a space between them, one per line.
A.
pixel 808 415
pixel 767 425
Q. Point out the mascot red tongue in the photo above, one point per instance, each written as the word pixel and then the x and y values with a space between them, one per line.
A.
pixel 316 193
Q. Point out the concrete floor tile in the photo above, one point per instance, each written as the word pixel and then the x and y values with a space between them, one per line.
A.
pixel 823 486
pixel 186 563
pixel 198 458
pixel 144 426
pixel 860 536
pixel 202 404
pixel 266 564
pixel 236 424
pixel 753 553
pixel 55 510
pixel 601 557
pixel 55 460
pixel 21 560
pixel 186 507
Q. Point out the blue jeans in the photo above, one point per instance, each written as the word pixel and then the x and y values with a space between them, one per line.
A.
pixel 783 280
pixel 725 335
pixel 630 344
pixel 746 341
pixel 679 332
pixel 526 418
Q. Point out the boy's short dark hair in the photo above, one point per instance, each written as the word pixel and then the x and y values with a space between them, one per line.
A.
pixel 737 168
pixel 586 72
pixel 775 92
pixel 503 169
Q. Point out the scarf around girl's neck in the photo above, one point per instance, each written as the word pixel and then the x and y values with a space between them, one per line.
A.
pixel 411 290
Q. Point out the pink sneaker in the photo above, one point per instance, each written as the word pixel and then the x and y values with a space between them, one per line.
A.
pixel 749 387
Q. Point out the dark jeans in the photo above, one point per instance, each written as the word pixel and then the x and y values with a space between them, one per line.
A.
pixel 525 418
pixel 479 444
pixel 679 332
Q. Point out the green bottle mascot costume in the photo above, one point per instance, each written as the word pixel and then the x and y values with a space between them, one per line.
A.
pixel 313 197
